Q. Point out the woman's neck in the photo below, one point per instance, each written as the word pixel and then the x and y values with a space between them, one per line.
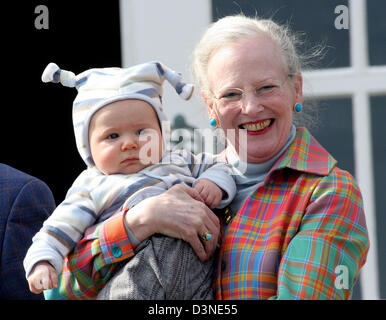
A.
pixel 249 176
pixel 246 169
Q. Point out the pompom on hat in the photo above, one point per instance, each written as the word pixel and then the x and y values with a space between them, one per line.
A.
pixel 99 87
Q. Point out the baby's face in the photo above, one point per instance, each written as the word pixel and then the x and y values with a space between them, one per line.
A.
pixel 125 137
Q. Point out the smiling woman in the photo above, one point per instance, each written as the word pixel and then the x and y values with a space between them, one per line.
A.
pixel 296 216
pixel 256 66
pixel 250 77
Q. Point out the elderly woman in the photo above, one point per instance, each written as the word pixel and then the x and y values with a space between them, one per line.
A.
pixel 297 222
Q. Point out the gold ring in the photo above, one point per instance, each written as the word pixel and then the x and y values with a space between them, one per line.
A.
pixel 206 236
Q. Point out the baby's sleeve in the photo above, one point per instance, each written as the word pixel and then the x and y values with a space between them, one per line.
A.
pixel 63 229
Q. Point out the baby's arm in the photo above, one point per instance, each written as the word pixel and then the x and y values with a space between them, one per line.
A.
pixel 42 277
pixel 209 192
pixel 58 235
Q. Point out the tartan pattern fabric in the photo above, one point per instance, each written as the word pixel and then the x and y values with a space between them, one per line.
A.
pixel 285 242
pixel 291 234
pixel 91 264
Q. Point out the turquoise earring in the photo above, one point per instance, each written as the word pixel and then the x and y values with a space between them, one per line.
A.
pixel 298 108
pixel 213 122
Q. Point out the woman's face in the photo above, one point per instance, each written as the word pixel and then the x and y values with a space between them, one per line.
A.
pixel 263 106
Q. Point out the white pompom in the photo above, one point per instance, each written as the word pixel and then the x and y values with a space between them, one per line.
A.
pixel 66 78
pixel 187 91
pixel 49 71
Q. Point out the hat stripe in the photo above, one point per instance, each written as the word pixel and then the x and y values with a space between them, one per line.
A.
pixel 89 103
pixel 179 87
pixel 78 124
pixel 56 76
pixel 89 161
pixel 160 70
pixel 84 103
pixel 151 92
pixel 81 81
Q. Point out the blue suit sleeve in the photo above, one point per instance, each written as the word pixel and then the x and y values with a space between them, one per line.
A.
pixel 27 211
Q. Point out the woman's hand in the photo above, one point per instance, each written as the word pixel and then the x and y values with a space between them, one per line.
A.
pixel 180 213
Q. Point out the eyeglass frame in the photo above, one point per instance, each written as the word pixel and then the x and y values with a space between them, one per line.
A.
pixel 239 101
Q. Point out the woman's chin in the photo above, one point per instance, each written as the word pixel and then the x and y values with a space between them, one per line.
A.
pixel 259 151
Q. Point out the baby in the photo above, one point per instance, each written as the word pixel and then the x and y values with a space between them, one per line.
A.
pixel 118 117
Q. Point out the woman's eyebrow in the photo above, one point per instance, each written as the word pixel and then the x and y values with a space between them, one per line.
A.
pixel 255 84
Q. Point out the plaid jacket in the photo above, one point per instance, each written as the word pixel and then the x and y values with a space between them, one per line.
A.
pixel 301 235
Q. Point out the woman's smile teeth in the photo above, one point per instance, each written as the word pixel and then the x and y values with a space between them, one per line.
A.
pixel 257 126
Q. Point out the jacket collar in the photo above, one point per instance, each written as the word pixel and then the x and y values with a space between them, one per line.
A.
pixel 305 154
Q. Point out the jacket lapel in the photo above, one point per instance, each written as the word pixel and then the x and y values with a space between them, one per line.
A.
pixel 305 154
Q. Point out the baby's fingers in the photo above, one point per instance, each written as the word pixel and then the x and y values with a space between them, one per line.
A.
pixel 54 280
pixel 46 282
pixel 214 199
pixel 217 200
pixel 35 286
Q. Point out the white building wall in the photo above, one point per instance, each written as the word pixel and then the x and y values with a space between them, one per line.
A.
pixel 166 31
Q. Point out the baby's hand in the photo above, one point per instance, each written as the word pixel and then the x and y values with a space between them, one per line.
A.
pixel 42 277
pixel 209 192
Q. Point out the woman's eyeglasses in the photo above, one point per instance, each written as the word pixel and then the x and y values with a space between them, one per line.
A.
pixel 230 98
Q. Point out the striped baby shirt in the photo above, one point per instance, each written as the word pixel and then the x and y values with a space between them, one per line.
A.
pixel 94 197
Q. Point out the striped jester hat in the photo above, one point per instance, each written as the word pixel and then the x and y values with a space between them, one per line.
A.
pixel 99 87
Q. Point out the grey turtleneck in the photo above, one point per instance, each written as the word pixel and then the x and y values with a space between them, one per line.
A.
pixel 254 173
